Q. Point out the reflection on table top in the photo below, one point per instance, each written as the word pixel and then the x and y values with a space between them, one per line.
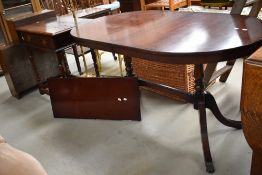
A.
pixel 173 36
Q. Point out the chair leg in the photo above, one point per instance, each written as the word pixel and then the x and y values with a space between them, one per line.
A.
pixel 120 60
pixel 84 59
pixel 256 167
pixel 98 59
pixel 77 59
pixel 210 69
pixel 114 55
pixel 224 76
pixel 255 9
pixel 94 58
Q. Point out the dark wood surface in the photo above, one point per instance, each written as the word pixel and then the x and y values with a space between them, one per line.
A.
pixel 97 98
pixel 46 36
pixel 15 58
pixel 17 69
pixel 129 5
pixel 60 24
pixel 16 21
pixel 178 37
pixel 51 26
pixel 174 37
pixel 52 33
pixel 47 39
pixel 212 72
pixel 251 111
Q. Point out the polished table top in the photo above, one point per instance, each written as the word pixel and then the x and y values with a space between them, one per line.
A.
pixel 173 37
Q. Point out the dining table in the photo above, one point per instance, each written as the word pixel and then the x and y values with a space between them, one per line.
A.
pixel 177 38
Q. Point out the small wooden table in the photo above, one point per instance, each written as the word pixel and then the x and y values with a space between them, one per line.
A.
pixel 177 38
pixel 52 35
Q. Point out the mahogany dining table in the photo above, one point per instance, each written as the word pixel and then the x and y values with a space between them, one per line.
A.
pixel 177 38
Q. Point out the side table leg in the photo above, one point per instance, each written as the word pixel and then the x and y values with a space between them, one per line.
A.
pixel 62 57
pixel 128 64
pixel 61 66
pixel 34 67
pixel 200 105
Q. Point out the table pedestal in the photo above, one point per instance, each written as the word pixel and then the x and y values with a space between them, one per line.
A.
pixel 201 100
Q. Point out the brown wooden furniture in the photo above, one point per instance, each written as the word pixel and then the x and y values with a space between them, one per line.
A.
pixel 162 4
pixel 84 11
pixel 251 111
pixel 23 19
pixel 15 8
pixel 53 36
pixel 129 5
pixel 95 98
pixel 15 60
pixel 194 2
pixel 170 37
pixel 17 69
pixel 224 72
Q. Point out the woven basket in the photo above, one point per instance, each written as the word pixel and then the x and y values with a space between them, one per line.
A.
pixel 173 75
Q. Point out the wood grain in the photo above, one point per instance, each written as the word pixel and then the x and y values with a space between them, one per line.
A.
pixel 95 98
pixel 251 112
pixel 173 37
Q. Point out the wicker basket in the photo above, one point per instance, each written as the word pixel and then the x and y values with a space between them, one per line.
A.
pixel 173 75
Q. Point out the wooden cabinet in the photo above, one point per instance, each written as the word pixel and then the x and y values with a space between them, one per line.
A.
pixel 15 58
pixel 17 69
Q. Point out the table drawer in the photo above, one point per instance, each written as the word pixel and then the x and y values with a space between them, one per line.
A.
pixel 38 41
